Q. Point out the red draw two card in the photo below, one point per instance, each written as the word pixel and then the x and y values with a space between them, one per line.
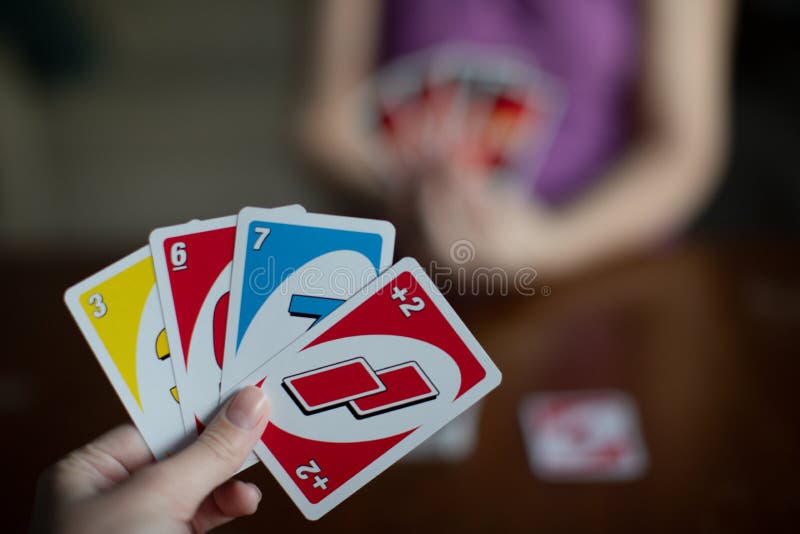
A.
pixel 366 385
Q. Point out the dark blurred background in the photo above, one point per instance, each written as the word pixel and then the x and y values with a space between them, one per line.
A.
pixel 119 117
pixel 760 192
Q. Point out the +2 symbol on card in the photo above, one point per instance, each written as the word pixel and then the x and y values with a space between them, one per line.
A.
pixel 303 471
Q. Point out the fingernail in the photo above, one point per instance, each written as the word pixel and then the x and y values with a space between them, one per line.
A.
pixel 247 408
pixel 258 490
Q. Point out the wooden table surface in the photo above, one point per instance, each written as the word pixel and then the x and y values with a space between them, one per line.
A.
pixel 702 336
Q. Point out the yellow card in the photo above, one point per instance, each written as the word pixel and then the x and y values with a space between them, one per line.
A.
pixel 119 314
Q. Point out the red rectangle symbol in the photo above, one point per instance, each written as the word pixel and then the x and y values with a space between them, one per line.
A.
pixel 406 384
pixel 333 385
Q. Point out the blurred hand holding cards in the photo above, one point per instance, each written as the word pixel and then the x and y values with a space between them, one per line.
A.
pixel 362 360
pixel 472 109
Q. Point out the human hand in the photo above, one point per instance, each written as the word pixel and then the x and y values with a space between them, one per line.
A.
pixel 112 484
pixel 504 229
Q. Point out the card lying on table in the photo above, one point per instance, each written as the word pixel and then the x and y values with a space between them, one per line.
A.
pixel 119 314
pixel 192 262
pixel 289 271
pixel 365 385
pixel 583 436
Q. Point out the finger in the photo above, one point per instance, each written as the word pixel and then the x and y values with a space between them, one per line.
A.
pixel 439 224
pixel 126 445
pixel 442 210
pixel 474 197
pixel 100 464
pixel 229 501
pixel 217 454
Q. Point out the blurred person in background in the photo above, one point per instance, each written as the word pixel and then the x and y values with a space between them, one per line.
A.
pixel 637 154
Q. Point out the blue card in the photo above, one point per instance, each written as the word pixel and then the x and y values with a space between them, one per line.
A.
pixel 289 271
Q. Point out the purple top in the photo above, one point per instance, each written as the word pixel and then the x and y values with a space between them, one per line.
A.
pixel 588 46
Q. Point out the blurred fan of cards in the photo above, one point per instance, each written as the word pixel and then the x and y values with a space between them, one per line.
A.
pixel 455 442
pixel 473 110
pixel 583 436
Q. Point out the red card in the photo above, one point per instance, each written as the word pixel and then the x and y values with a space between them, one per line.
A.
pixel 430 368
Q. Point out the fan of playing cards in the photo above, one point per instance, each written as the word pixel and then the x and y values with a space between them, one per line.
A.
pixel 477 110
pixel 362 360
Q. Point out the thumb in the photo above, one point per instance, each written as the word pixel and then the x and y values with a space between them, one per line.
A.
pixel 221 449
